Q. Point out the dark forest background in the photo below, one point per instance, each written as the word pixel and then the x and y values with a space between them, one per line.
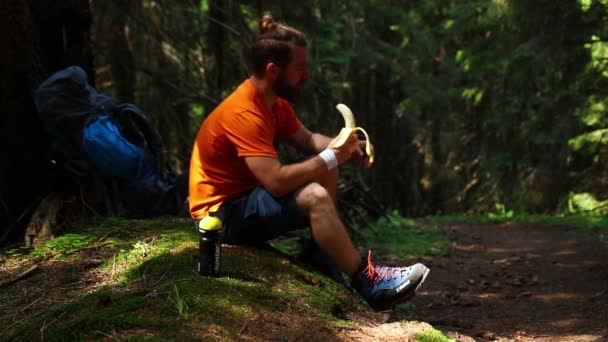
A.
pixel 473 106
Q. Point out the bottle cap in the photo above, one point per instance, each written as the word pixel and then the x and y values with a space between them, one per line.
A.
pixel 209 223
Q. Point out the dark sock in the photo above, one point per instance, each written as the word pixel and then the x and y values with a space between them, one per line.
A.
pixel 356 279
pixel 313 255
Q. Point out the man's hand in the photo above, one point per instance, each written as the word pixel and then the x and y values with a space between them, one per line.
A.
pixel 361 155
pixel 345 152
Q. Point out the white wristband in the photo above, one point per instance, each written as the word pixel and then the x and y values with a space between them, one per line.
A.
pixel 329 157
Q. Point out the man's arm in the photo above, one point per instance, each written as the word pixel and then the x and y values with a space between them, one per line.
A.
pixel 312 143
pixel 308 142
pixel 281 179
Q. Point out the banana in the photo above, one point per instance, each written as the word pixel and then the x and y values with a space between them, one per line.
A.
pixel 349 128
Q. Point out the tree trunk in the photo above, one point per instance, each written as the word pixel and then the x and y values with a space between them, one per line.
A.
pixel 216 37
pixel 40 37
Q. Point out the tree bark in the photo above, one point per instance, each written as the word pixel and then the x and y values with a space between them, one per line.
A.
pixel 38 38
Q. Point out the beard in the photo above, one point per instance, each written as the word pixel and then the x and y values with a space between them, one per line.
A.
pixel 285 90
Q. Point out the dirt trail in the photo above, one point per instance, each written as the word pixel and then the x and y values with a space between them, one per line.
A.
pixel 514 282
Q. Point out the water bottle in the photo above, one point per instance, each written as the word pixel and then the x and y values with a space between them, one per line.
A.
pixel 210 248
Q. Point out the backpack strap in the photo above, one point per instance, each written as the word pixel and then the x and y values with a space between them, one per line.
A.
pixel 131 114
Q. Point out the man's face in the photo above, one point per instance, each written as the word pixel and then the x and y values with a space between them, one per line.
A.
pixel 290 79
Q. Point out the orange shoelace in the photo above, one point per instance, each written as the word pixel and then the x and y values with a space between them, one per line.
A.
pixel 384 272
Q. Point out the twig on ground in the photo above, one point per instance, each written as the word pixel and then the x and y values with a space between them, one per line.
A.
pixel 113 267
pixel 69 286
pixel 89 247
pixel 44 325
pixel 32 303
pixel 19 277
pixel 19 321
pixel 172 282
pixel 244 327
pixel 161 278
pixel 107 335
pixel 106 235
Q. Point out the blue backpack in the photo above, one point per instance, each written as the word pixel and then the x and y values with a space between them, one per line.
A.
pixel 96 134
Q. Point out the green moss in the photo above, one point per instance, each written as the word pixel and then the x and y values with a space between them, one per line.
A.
pixel 145 287
pixel 103 310
pixel 432 335
pixel 63 245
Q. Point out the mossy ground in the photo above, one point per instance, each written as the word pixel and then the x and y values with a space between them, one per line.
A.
pixel 137 280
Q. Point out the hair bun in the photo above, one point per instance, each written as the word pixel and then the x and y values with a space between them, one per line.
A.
pixel 267 24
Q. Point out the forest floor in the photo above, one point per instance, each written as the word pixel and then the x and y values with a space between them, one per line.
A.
pixel 517 282
pixel 135 280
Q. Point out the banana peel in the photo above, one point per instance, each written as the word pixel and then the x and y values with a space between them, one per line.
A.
pixel 349 128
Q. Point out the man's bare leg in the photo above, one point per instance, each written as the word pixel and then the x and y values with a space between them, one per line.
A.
pixel 315 201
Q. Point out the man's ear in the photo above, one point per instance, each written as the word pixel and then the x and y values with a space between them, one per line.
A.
pixel 272 71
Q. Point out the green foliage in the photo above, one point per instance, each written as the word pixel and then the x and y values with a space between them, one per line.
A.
pixel 591 138
pixel 180 303
pixel 204 6
pixel 469 98
pixel 403 238
pixel 290 245
pixel 586 203
pixel 63 245
pixel 599 54
pixel 501 213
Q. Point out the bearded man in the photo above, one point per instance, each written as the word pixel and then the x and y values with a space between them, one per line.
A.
pixel 236 175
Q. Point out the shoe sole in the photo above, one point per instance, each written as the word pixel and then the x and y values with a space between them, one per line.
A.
pixel 409 296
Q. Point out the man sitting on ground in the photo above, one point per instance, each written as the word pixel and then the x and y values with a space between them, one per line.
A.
pixel 235 173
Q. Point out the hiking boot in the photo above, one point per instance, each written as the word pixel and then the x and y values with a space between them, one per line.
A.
pixel 384 287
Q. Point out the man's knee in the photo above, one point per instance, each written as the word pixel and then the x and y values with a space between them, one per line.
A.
pixel 313 196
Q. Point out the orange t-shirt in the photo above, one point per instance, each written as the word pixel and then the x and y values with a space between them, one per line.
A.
pixel 241 126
